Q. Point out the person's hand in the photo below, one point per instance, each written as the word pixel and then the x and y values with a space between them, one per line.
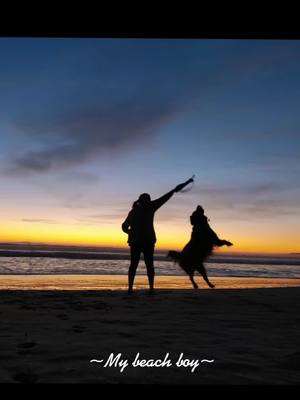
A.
pixel 182 185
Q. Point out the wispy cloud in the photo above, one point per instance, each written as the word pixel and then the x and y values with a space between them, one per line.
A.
pixel 116 216
pixel 125 96
pixel 93 133
pixel 262 200
pixel 40 220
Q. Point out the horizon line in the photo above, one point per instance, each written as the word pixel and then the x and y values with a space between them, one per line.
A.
pixel 125 247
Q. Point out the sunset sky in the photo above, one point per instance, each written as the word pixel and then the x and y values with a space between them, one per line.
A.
pixel 86 125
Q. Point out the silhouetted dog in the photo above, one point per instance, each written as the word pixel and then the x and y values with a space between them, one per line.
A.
pixel 196 251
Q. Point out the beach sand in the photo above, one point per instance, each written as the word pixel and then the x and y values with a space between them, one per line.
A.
pixel 51 331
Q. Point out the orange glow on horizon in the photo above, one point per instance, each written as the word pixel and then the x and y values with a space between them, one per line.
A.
pixel 110 235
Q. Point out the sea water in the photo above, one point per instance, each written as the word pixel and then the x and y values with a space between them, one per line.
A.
pixel 261 267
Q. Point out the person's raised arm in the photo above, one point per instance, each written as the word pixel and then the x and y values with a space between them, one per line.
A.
pixel 163 199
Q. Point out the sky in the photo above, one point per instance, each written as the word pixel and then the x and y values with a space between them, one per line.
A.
pixel 86 125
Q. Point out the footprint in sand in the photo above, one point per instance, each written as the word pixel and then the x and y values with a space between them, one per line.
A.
pixel 100 306
pixel 62 316
pixel 78 328
pixel 25 307
pixel 125 335
pixel 26 345
pixel 79 308
pixel 291 361
pixel 25 377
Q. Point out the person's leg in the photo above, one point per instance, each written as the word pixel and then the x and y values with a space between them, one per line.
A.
pixel 201 269
pixel 135 254
pixel 148 251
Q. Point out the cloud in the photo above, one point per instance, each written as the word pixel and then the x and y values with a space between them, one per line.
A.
pixel 111 217
pixel 39 220
pixel 114 215
pixel 262 200
pixel 122 94
pixel 92 133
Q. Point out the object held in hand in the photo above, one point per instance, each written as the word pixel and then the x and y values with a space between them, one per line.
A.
pixel 182 185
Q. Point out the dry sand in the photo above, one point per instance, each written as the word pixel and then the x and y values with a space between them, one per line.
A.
pixel 50 336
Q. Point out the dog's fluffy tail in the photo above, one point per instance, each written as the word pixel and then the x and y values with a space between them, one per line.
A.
pixel 174 255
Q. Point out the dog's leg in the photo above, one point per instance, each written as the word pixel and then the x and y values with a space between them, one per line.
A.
pixel 202 271
pixel 195 286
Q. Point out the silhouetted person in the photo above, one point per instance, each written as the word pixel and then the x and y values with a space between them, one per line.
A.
pixel 203 240
pixel 141 235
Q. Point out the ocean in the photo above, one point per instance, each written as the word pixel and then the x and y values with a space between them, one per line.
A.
pixel 117 264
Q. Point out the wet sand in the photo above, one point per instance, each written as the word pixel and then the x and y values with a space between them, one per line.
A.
pixel 50 331
pixel 119 282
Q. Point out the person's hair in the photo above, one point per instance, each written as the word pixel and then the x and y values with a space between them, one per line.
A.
pixel 200 209
pixel 144 197
pixel 135 204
